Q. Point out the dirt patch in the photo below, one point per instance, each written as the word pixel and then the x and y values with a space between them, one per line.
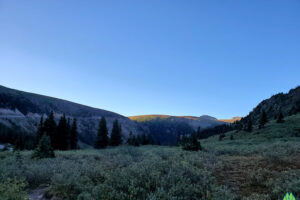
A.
pixel 246 175
pixel 37 194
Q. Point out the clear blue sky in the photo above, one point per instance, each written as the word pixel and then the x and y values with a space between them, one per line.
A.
pixel 176 57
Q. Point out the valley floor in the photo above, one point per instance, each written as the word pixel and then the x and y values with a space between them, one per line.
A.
pixel 261 165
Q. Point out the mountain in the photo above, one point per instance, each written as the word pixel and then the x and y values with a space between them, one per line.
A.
pixel 22 110
pixel 203 121
pixel 232 120
pixel 287 103
pixel 164 129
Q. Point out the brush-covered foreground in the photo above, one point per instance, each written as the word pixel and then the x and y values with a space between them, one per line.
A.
pixel 261 165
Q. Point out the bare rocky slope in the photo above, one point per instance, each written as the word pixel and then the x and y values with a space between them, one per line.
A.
pixel 23 110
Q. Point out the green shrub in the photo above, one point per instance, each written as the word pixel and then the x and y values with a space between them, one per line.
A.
pixel 44 149
pixel 257 197
pixel 288 182
pixel 13 189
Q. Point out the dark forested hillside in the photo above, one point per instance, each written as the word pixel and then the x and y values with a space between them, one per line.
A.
pixel 165 129
pixel 23 110
pixel 287 104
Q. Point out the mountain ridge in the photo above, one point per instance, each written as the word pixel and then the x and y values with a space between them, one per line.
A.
pixel 24 109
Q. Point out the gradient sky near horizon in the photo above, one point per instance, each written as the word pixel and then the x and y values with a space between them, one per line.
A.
pixel 135 57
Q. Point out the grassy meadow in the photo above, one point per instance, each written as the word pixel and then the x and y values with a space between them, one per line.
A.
pixel 260 165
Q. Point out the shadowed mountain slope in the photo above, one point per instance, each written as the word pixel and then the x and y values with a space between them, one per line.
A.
pixel 165 128
pixel 287 103
pixel 23 110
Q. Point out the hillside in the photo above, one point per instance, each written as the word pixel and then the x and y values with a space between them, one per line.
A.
pixel 288 104
pixel 204 121
pixel 23 110
pixel 165 128
pixel 263 164
pixel 232 120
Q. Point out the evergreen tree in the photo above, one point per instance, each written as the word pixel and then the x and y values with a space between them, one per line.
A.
pixel 151 140
pixel 62 134
pixel 40 131
pixel 144 139
pixel 221 136
pixel 130 139
pixel 249 126
pixel 19 160
pixel 133 140
pixel 20 142
pixel 263 119
pixel 44 149
pixel 74 135
pixel 280 118
pixel 50 129
pixel 69 133
pixel 178 139
pixel 192 143
pixel 199 132
pixel 102 136
pixel 116 135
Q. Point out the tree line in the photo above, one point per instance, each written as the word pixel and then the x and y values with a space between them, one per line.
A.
pixel 262 122
pixel 51 136
pixel 63 136
pixel 103 140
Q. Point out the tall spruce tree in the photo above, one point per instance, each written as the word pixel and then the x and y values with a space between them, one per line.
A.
pixel 144 139
pixel 249 125
pixel 40 131
pixel 116 135
pixel 50 129
pixel 102 136
pixel 263 120
pixel 199 132
pixel 280 118
pixel 132 140
pixel 69 132
pixel 74 135
pixel 62 134
pixel 191 143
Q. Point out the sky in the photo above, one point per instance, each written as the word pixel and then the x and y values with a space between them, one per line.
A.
pixel 133 57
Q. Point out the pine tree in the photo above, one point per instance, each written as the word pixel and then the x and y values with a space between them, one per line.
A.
pixel 144 139
pixel 20 142
pixel 263 119
pixel 132 140
pixel 74 135
pixel 178 139
pixel 44 149
pixel 192 143
pixel 151 140
pixel 102 136
pixel 249 126
pixel 62 134
pixel 221 136
pixel 40 131
pixel 116 137
pixel 280 118
pixel 69 133
pixel 50 129
pixel 199 132
pixel 19 160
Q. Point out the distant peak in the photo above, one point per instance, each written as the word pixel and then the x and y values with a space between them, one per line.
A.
pixel 207 117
